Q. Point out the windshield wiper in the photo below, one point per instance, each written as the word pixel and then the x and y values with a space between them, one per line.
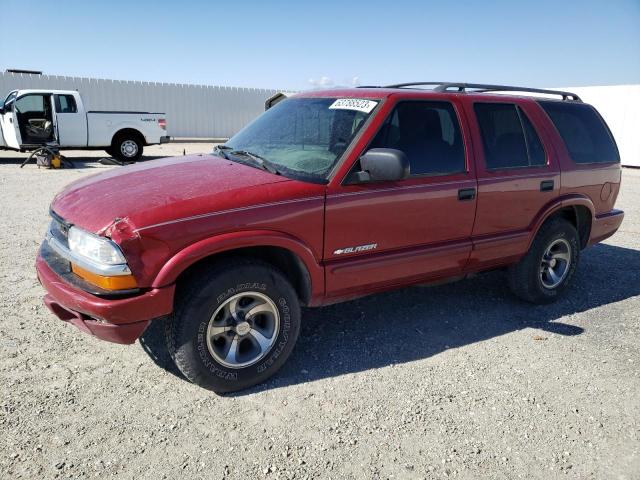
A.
pixel 259 161
pixel 220 150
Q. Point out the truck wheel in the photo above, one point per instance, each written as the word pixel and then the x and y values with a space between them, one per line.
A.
pixel 126 148
pixel 234 325
pixel 545 272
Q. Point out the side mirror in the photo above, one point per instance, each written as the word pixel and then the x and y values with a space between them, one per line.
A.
pixel 383 164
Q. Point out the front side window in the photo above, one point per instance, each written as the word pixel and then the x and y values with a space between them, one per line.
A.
pixel 585 134
pixel 65 104
pixel 303 136
pixel 428 133
pixel 30 104
pixel 509 139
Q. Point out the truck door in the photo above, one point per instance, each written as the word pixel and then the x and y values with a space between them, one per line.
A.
pixel 394 233
pixel 9 123
pixel 71 121
pixel 518 176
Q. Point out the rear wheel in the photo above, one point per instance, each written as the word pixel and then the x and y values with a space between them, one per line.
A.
pixel 234 326
pixel 126 148
pixel 545 272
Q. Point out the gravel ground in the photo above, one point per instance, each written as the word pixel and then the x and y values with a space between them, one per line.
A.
pixel 460 380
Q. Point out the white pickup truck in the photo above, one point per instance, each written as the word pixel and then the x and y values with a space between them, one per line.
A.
pixel 31 119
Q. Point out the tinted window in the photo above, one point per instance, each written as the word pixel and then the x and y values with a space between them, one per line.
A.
pixel 584 132
pixel 509 139
pixel 534 145
pixel 65 104
pixel 428 133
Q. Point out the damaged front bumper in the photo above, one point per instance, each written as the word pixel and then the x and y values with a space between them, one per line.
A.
pixel 115 319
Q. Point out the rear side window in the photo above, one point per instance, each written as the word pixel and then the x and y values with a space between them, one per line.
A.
pixel 584 132
pixel 65 104
pixel 428 133
pixel 508 137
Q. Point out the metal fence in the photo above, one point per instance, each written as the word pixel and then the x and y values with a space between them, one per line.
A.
pixel 192 110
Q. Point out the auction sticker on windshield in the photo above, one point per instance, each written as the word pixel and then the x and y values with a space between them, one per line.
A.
pixel 354 104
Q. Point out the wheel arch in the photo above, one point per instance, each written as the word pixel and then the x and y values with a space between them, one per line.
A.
pixel 577 209
pixel 129 131
pixel 280 250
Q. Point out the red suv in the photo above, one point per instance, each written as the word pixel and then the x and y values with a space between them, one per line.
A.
pixel 329 196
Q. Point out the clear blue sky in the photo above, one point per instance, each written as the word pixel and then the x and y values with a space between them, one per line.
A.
pixel 298 45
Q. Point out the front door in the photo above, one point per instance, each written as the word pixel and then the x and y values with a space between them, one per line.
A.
pixel 9 123
pixel 396 233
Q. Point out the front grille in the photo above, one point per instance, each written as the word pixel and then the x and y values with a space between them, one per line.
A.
pixel 58 264
pixel 60 231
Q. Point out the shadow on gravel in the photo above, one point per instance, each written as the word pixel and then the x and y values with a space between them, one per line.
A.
pixel 78 162
pixel 418 322
pixel 152 342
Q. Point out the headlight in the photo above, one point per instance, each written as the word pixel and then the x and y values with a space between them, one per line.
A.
pixel 95 248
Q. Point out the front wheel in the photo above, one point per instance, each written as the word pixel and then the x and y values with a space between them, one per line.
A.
pixel 545 272
pixel 126 148
pixel 234 326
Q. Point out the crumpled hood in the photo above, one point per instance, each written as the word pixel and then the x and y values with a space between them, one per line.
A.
pixel 158 191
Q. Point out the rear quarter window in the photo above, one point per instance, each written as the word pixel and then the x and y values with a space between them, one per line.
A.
pixel 583 131
pixel 65 104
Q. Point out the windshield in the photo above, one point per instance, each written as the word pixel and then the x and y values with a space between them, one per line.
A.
pixel 9 99
pixel 304 137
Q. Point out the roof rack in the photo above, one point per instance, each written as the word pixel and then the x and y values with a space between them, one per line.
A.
pixel 486 88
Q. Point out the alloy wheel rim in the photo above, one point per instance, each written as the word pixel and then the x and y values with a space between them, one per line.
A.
pixel 129 148
pixel 555 263
pixel 243 330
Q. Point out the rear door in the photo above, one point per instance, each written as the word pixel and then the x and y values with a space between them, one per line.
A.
pixel 517 176
pixel 70 120
pixel 394 233
pixel 9 123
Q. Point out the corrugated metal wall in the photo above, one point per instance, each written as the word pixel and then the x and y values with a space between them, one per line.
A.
pixel 192 110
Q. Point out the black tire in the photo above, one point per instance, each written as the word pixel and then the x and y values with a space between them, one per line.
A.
pixel 527 277
pixel 126 147
pixel 110 151
pixel 187 329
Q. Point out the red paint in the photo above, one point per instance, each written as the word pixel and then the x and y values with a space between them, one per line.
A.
pixel 116 320
pixel 168 214
pixel 124 333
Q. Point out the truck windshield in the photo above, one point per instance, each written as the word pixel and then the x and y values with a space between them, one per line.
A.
pixel 304 137
pixel 10 98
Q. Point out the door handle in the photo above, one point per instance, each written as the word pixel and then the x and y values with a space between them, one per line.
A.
pixel 466 194
pixel 546 186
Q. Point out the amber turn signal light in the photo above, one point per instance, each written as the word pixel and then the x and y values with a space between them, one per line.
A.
pixel 120 282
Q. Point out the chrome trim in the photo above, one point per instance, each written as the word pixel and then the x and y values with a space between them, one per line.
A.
pixel 87 264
